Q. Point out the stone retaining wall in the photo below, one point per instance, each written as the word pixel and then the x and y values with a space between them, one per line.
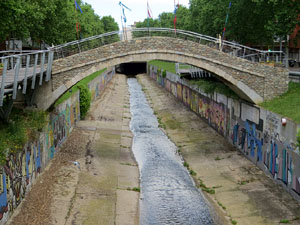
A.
pixel 256 132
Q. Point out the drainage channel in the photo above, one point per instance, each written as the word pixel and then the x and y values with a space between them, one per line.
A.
pixel 168 193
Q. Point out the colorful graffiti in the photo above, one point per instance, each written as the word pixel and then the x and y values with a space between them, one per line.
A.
pixel 98 84
pixel 17 177
pixel 21 170
pixel 262 143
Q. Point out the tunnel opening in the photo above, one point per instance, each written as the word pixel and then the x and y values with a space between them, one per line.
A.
pixel 132 69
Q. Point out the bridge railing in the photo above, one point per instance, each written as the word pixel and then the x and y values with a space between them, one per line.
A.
pixel 18 68
pixel 231 48
pixel 78 46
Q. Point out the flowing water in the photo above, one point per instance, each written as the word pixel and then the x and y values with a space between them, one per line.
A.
pixel 168 194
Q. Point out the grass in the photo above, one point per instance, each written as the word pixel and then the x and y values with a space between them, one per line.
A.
pixel 218 158
pixel 284 221
pixel 205 188
pixel 288 104
pixel 208 86
pixel 75 88
pixel 136 189
pixel 161 124
pixel 221 205
pixel 185 164
pixel 193 173
pixel 233 222
pixel 168 66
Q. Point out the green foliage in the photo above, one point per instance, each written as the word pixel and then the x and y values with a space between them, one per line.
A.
pixel 85 100
pixel 298 140
pixel 234 222
pixel 193 173
pixel 221 205
pixel 205 188
pixel 288 104
pixel 164 73
pixel 168 66
pixel 23 126
pixel 159 71
pixel 266 21
pixel 166 19
pixel 50 21
pixel 185 164
pixel 284 221
pixel 210 86
pixel 75 88
pixel 137 189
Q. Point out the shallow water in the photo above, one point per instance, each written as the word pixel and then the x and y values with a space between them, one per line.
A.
pixel 168 194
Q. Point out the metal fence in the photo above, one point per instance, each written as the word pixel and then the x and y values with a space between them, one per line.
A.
pixel 231 48
pixel 78 46
pixel 18 68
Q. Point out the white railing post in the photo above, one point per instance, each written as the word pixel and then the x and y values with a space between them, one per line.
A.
pixel 3 81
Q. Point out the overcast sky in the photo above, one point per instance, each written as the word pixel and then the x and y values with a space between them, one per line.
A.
pixel 138 8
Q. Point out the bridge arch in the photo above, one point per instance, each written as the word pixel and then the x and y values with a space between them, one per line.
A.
pixel 254 82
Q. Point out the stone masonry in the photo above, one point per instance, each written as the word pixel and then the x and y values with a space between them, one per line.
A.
pixel 255 82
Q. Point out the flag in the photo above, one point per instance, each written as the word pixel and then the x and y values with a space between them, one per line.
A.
pixel 175 18
pixel 149 11
pixel 77 6
pixel 123 11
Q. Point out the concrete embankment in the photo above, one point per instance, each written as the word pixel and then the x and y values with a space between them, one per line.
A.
pixel 101 189
pixel 237 188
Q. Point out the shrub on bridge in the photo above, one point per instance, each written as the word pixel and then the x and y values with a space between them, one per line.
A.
pixel 85 100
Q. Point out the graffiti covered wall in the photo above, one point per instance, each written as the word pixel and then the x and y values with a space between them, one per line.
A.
pixel 21 169
pixel 257 133
pixel 98 84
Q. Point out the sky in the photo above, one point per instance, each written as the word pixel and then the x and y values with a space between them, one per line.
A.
pixel 138 8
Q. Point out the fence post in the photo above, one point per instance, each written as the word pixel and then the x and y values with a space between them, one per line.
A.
pixel 34 70
pixel 16 78
pixel 42 68
pixel 25 77
pixel 3 81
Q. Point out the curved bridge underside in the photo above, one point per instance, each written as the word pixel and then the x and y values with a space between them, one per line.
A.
pixel 253 82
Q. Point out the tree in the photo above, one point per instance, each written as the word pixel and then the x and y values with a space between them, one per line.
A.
pixel 12 23
pixel 109 24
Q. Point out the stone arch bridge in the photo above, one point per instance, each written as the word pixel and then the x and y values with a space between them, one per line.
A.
pixel 252 81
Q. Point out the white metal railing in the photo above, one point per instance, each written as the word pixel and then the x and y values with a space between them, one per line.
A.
pixel 232 48
pixel 18 68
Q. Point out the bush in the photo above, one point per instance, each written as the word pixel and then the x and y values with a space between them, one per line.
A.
pixel 85 100
pixel 22 127
pixel 298 140
pixel 164 74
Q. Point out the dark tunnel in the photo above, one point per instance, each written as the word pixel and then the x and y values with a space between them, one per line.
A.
pixel 133 68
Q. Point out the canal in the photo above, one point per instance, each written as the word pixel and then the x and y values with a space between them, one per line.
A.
pixel 168 193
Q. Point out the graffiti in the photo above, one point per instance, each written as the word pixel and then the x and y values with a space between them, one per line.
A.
pixel 174 89
pixel 17 177
pixel 259 138
pixel 204 109
pixel 168 85
pixel 194 102
pixel 273 122
pixel 217 116
pixel 186 95
pixel 179 91
pixel 22 168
